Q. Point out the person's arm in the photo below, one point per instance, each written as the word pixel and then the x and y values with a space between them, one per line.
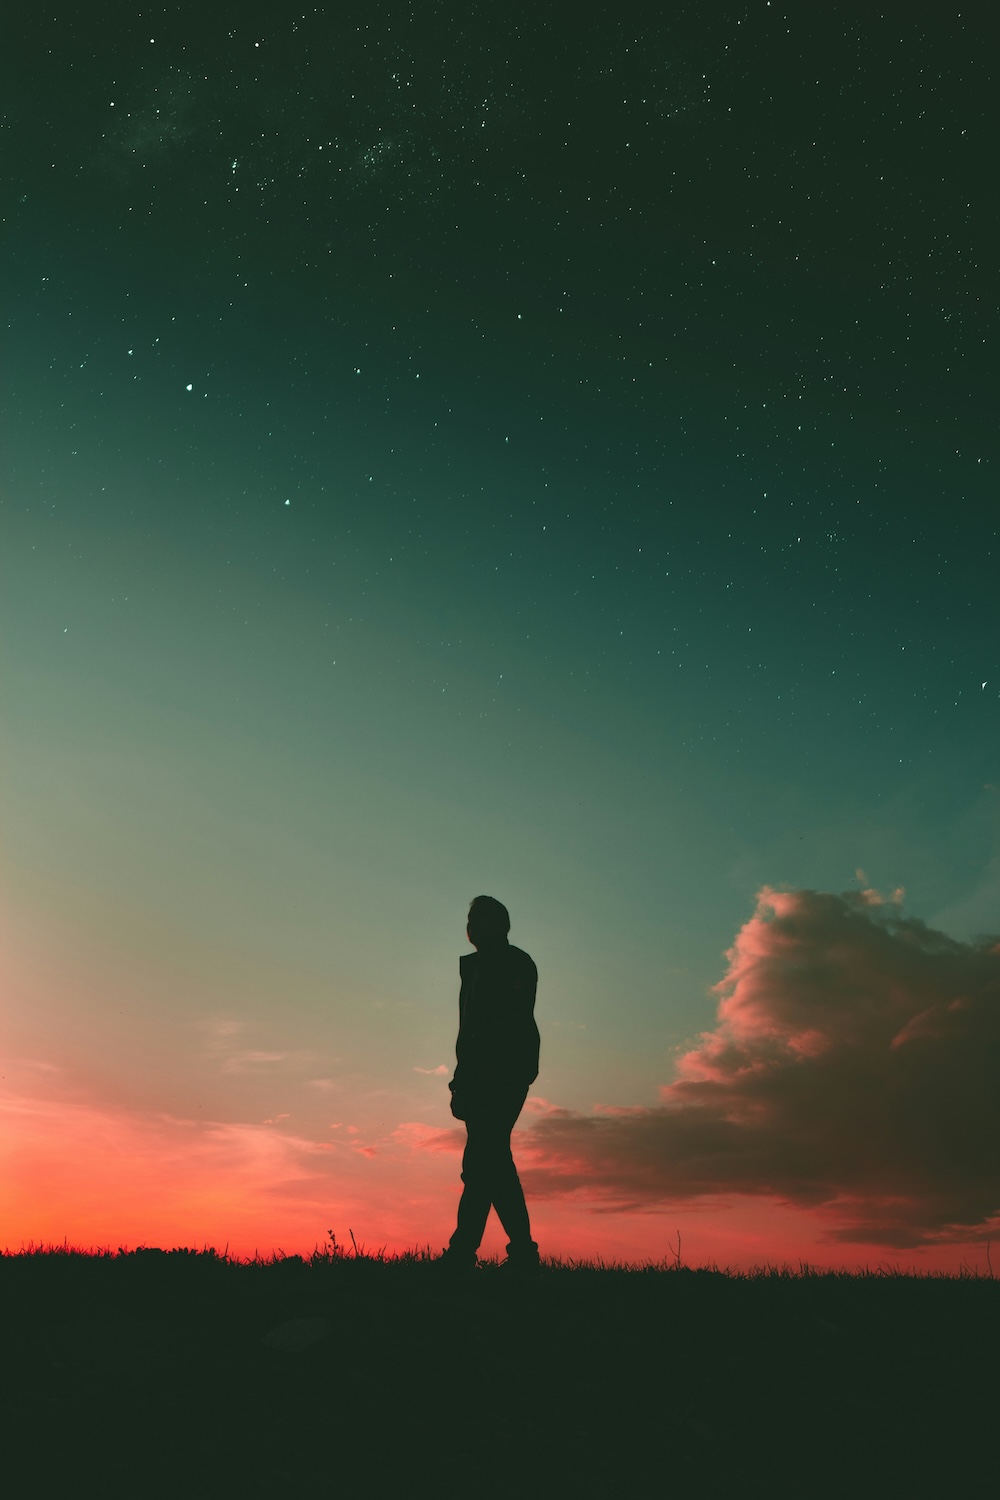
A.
pixel 531 1036
pixel 457 1103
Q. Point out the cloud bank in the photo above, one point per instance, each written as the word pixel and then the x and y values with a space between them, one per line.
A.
pixel 854 1069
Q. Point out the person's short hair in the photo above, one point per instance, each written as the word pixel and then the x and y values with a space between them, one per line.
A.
pixel 489 916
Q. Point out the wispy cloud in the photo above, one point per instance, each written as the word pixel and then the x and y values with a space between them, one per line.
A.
pixel 218 1030
pixel 250 1062
pixel 852 1069
pixel 219 1039
pixel 419 1137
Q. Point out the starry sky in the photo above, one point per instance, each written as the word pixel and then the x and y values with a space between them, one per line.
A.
pixel 452 449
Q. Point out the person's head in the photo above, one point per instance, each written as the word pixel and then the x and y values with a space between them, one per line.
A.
pixel 489 921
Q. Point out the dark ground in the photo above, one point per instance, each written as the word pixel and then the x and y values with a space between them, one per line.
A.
pixel 148 1373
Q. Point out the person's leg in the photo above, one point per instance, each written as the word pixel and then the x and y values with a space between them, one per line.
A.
pixel 506 1190
pixel 474 1204
pixel 490 1177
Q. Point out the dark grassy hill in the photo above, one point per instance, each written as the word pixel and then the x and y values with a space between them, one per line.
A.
pixel 190 1375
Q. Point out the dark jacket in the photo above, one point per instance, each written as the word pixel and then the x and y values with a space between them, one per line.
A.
pixel 498 1040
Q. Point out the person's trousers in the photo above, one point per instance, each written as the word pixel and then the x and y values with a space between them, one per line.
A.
pixel 489 1174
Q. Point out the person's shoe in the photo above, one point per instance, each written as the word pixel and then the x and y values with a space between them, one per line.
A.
pixel 522 1263
pixel 457 1265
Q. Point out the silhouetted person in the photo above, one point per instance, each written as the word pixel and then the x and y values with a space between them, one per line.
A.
pixel 497 1053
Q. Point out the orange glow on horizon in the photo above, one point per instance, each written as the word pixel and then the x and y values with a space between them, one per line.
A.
pixel 104 1178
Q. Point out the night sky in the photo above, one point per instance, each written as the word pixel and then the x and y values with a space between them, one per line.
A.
pixel 453 449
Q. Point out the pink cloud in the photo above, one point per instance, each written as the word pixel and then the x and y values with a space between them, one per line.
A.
pixel 420 1137
pixel 852 1069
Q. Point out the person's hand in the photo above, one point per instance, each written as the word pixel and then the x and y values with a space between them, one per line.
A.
pixel 457 1108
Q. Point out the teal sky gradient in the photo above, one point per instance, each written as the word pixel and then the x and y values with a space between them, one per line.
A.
pixel 608 543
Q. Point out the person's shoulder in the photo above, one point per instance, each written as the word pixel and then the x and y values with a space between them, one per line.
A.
pixel 466 962
pixel 524 961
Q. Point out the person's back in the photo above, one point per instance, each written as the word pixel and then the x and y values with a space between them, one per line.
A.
pixel 498 1041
